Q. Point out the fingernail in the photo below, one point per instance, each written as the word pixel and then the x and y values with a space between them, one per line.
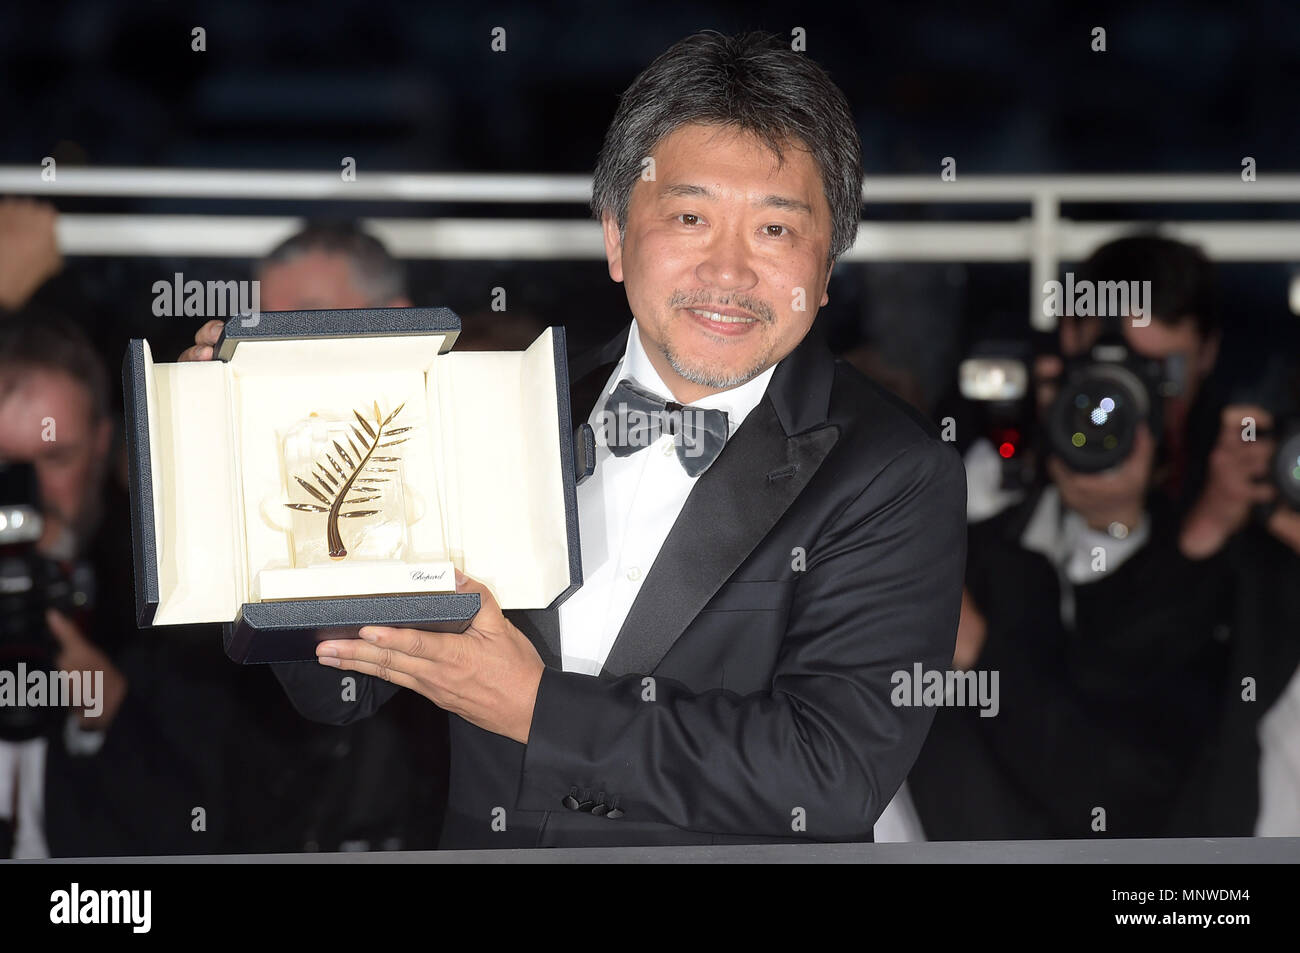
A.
pixel 460 578
pixel 368 634
pixel 326 649
pixel 333 662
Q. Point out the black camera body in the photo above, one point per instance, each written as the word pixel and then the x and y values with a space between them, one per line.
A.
pixel 29 584
pixel 1104 394
pixel 1275 386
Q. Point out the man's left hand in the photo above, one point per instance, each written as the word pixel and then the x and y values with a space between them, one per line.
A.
pixel 488 674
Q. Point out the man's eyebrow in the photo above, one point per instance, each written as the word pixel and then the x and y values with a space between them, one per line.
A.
pixel 786 203
pixel 683 190
pixel 686 190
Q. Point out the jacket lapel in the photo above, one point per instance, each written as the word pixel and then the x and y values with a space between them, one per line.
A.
pixel 733 505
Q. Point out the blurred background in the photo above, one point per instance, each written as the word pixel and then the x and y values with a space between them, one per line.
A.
pixel 1014 89
pixel 1011 88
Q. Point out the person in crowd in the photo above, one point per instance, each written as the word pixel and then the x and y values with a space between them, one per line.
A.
pixel 146 766
pixel 1109 639
pixel 325 265
pixel 1249 782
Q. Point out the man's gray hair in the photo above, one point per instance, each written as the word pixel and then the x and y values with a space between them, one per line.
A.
pixel 379 276
pixel 753 83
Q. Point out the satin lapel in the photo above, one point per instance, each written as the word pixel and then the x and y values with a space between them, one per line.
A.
pixel 732 507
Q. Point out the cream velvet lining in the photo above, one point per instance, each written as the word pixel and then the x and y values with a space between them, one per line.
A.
pixel 482 470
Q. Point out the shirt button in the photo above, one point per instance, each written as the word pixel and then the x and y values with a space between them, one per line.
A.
pixel 669 447
pixel 634 573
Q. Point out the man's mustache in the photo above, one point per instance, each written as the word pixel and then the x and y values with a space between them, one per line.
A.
pixel 759 309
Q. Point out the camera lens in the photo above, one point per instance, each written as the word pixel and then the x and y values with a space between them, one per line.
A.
pixel 1286 467
pixel 1093 421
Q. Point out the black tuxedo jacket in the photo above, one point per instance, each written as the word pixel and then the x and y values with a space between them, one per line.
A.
pixel 1114 712
pixel 747 696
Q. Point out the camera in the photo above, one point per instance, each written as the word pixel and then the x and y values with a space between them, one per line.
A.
pixel 1092 422
pixel 1104 394
pixel 1286 463
pixel 29 584
pixel 1276 387
pixel 1282 382
pixel 995 379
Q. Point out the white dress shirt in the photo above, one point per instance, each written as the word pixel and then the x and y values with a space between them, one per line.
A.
pixel 626 509
pixel 1279 766
pixel 1060 534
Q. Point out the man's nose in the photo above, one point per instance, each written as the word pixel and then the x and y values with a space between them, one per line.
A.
pixel 726 263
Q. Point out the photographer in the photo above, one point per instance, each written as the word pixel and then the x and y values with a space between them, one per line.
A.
pixel 126 775
pixel 1108 640
pixel 1250 782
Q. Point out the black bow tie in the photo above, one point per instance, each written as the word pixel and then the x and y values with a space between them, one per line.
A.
pixel 634 417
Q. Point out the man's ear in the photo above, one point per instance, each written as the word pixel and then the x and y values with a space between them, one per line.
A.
pixel 826 297
pixel 613 245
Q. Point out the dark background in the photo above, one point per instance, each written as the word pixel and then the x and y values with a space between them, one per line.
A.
pixel 1006 88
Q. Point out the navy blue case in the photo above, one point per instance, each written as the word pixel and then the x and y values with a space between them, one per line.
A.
pixel 285 631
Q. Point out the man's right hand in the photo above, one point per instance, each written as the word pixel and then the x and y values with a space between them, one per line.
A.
pixel 1232 485
pixel 204 341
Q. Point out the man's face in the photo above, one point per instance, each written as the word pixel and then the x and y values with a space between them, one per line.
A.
pixel 723 229
pixel 46 419
pixel 315 281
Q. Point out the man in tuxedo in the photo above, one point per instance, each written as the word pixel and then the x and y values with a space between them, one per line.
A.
pixel 724 675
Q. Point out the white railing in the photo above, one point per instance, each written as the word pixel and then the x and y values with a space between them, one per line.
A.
pixel 1044 238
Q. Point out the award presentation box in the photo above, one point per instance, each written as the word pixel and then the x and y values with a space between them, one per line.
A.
pixel 326 470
